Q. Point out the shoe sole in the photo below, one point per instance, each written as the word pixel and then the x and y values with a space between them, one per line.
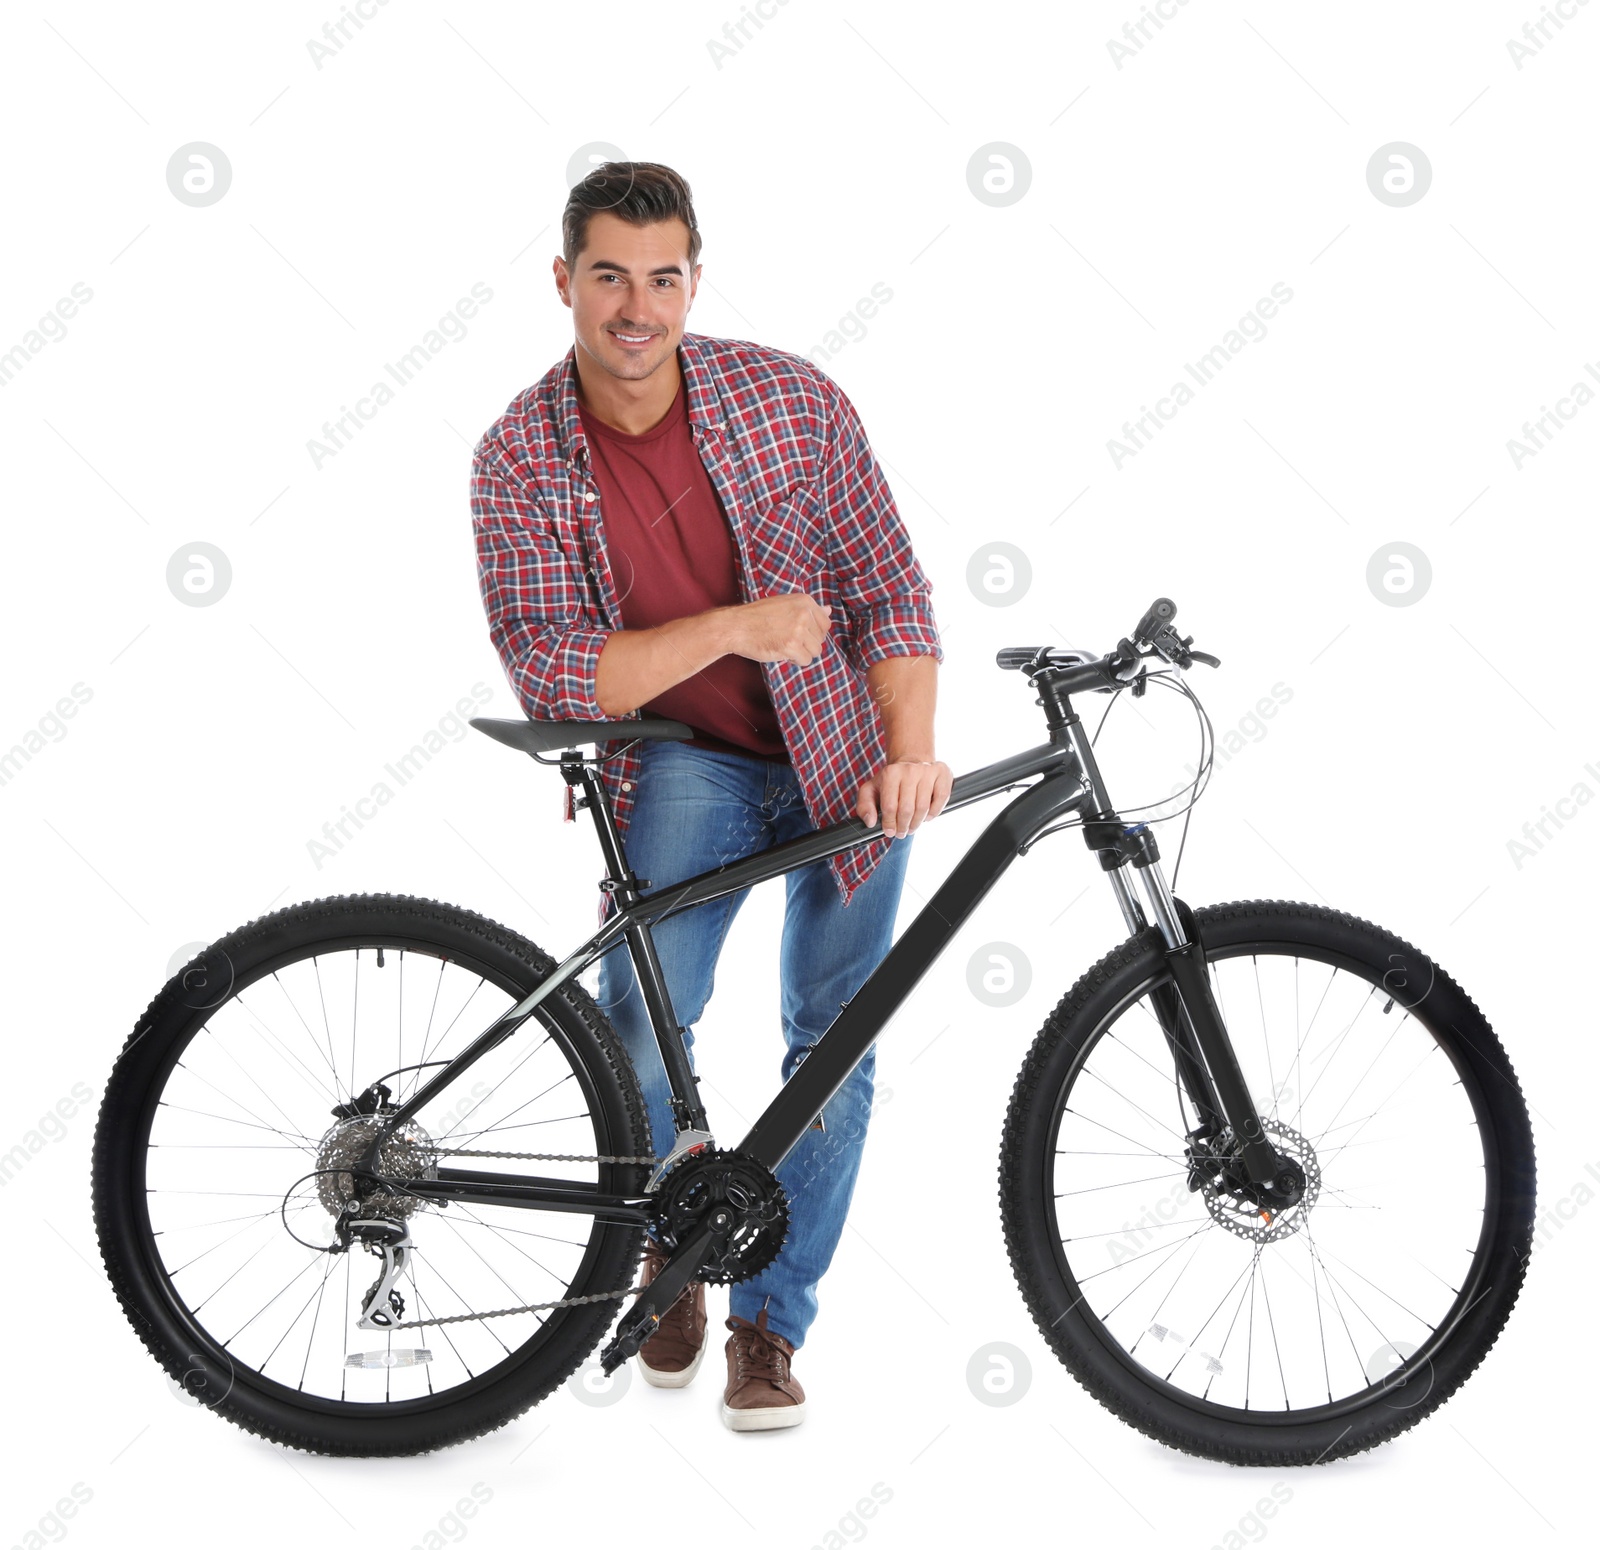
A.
pixel 764 1420
pixel 670 1380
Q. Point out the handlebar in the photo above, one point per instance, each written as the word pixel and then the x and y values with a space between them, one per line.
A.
pixel 1073 672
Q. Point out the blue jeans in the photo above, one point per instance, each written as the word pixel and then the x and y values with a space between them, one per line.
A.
pixel 698 808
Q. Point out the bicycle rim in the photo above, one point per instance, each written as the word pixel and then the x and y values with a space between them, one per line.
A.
pixel 1329 1305
pixel 236 1199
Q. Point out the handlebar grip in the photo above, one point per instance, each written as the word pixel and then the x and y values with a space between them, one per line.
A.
pixel 1157 616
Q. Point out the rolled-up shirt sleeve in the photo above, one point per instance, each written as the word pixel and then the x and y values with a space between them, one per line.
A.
pixel 537 617
pixel 882 586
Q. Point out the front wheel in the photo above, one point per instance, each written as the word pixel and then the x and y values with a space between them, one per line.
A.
pixel 218 1179
pixel 1251 1336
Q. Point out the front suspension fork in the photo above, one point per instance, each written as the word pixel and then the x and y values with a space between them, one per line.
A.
pixel 1186 1009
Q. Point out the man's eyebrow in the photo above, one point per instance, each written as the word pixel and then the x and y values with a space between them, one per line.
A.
pixel 606 263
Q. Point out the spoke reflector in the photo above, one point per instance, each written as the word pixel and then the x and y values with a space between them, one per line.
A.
pixel 414 1357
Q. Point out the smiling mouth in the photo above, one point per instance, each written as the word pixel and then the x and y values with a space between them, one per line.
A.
pixel 633 339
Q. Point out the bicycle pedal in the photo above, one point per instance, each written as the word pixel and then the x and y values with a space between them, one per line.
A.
pixel 629 1337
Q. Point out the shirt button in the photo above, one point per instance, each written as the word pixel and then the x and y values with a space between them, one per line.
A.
pixel 627 785
pixel 588 495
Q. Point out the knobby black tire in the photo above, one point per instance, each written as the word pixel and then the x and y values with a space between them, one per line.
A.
pixel 1168 1414
pixel 271 1410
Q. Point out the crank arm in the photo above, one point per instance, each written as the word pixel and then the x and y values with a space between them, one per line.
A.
pixel 642 1320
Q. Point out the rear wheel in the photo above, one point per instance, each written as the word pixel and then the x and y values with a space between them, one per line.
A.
pixel 1272 1338
pixel 216 1179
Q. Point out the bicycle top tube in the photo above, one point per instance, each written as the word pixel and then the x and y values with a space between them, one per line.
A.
pixel 652 907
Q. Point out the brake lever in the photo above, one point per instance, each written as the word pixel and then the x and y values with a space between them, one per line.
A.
pixel 1177 650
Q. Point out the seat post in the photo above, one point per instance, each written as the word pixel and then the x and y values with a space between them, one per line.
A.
pixel 688 1112
pixel 575 771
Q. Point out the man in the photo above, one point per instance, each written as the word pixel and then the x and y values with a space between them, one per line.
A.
pixel 673 525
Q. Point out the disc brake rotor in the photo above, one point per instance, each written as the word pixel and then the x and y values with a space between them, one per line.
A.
pixel 1245 1218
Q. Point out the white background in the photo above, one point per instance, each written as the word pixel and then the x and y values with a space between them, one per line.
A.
pixel 829 153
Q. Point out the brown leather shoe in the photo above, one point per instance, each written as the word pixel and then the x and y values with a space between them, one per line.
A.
pixel 672 1356
pixel 762 1393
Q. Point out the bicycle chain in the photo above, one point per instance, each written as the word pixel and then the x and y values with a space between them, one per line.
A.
pixel 548 1156
pixel 534 1307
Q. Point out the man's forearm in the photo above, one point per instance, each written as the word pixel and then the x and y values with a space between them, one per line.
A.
pixel 904 689
pixel 636 665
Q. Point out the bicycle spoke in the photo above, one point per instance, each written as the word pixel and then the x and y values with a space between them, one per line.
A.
pixel 1383 1049
pixel 466 1307
pixel 568 1077
pixel 1266 1043
pixel 1161 1249
pixel 1148 1324
pixel 1300 1042
pixel 228 1097
pixel 410 1079
pixel 473 1217
pixel 305 1143
pixel 333 1267
pixel 1147 1114
pixel 1122 1232
pixel 429 1053
pixel 1266 1299
pixel 327 1024
pixel 252 1222
pixel 333 1070
pixel 1120 1184
pixel 1121 1135
pixel 316 1297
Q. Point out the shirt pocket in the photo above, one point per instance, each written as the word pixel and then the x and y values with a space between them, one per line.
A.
pixel 788 549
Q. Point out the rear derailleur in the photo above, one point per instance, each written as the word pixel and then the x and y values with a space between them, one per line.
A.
pixel 382 1307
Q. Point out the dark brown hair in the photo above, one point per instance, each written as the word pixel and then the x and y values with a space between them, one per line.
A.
pixel 638 192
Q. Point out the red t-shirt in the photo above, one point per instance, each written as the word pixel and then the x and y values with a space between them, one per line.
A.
pixel 672 553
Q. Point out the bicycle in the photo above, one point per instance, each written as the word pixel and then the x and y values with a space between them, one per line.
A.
pixel 1316 1262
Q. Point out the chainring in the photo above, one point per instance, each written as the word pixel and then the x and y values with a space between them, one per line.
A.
pixel 718 1178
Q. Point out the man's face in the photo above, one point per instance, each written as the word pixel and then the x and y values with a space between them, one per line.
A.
pixel 630 292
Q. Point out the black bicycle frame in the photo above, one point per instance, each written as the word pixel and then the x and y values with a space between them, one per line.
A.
pixel 1070 783
pixel 846 1040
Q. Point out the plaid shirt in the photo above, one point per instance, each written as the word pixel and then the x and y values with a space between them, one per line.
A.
pixel 810 512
